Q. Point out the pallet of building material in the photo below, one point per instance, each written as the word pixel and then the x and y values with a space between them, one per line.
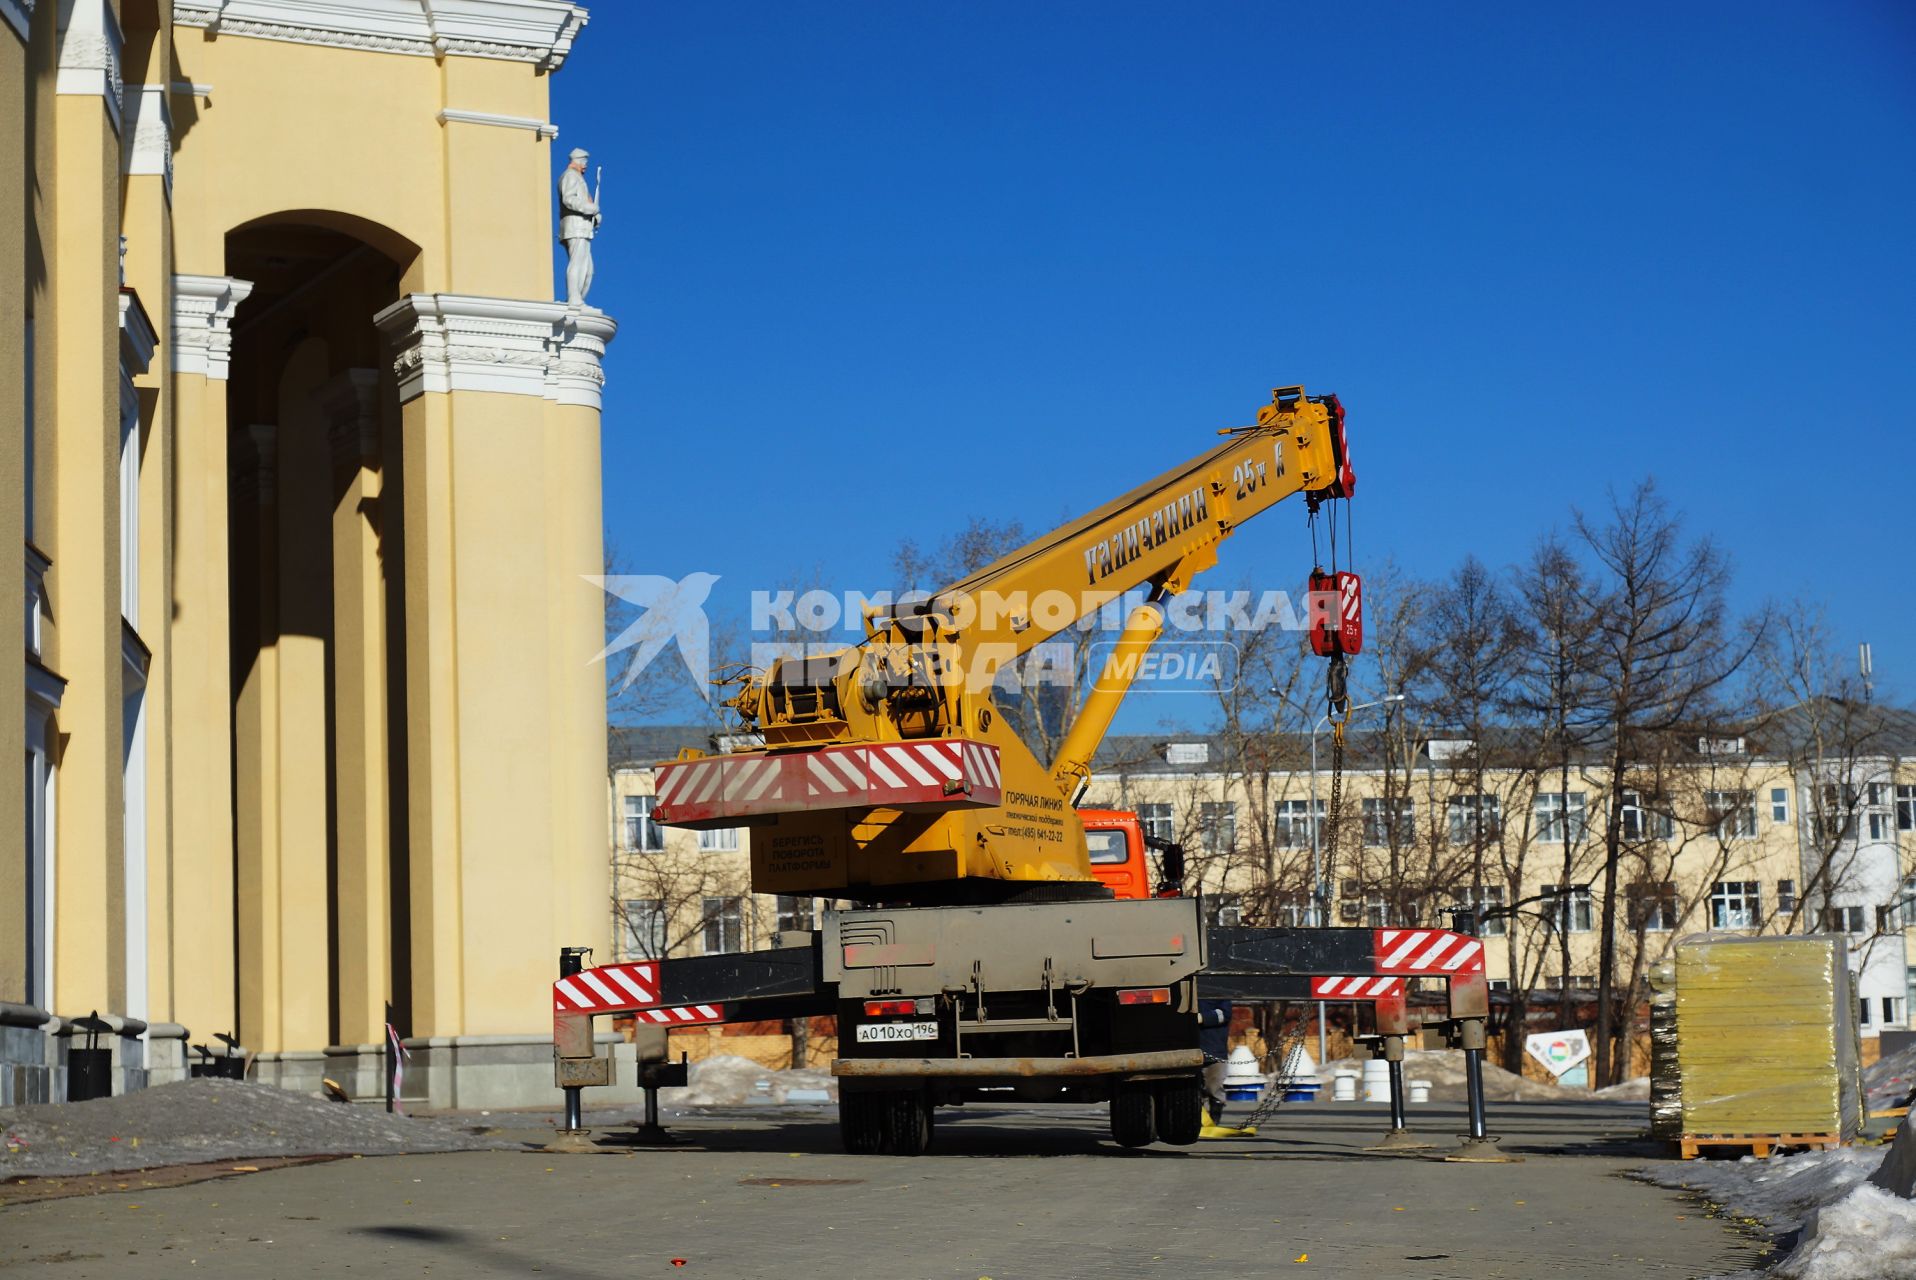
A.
pixel 1759 1145
pixel 1766 1045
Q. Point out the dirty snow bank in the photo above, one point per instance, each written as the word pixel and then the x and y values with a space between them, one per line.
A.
pixel 1782 1191
pixel 194 1121
pixel 1444 1068
pixel 732 1081
pixel 1867 1234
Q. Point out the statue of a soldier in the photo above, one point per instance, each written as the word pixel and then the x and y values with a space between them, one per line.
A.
pixel 578 218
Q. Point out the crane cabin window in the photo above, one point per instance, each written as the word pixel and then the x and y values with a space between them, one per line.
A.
pixel 1106 847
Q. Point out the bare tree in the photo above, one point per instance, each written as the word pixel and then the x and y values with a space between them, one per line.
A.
pixel 1666 651
pixel 1550 697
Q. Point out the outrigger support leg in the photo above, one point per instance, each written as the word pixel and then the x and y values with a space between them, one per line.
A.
pixel 1391 1049
pixel 1477 1147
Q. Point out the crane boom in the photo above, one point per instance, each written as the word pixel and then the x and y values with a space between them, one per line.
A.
pixel 884 772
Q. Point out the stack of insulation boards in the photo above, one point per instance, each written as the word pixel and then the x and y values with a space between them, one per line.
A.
pixel 1766 1040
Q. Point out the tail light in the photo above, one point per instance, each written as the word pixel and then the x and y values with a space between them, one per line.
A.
pixel 1145 995
pixel 889 1008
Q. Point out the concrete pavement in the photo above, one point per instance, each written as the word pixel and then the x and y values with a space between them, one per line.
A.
pixel 1007 1193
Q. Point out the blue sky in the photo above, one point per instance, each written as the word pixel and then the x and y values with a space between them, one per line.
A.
pixel 880 267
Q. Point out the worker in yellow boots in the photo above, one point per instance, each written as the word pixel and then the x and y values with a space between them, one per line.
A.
pixel 1214 1038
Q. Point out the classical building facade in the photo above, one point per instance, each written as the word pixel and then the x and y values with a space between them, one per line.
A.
pixel 1731 835
pixel 307 469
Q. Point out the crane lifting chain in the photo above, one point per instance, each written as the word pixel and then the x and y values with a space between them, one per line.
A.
pixel 1339 697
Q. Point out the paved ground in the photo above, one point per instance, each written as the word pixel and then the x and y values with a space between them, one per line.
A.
pixel 1006 1194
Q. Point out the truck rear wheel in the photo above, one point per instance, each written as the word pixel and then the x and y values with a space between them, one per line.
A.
pixel 1133 1117
pixel 1180 1113
pixel 861 1122
pixel 908 1123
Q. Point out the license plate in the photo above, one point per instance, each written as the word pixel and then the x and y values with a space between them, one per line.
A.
pixel 890 1032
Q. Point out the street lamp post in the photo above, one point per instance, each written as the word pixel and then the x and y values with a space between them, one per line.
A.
pixel 1319 900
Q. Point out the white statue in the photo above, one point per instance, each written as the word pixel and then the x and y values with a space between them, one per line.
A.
pixel 578 219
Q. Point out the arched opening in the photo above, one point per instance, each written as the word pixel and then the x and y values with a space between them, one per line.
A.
pixel 316 572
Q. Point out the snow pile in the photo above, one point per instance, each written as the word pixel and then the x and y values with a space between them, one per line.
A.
pixel 1636 1090
pixel 731 1081
pixel 1782 1191
pixel 1868 1234
pixel 196 1121
pixel 1889 1080
pixel 1444 1068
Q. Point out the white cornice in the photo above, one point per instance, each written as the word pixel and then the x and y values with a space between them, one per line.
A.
pixel 146 148
pixel 89 58
pixel 137 338
pixel 536 31
pixel 201 335
pixel 544 128
pixel 445 342
pixel 19 16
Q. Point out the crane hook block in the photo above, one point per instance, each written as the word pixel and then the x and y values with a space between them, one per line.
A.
pixel 1335 608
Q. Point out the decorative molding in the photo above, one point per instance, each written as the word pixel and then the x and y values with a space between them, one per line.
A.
pixel 137 336
pixel 89 57
pixel 146 145
pixel 19 16
pixel 537 31
pixel 546 130
pixel 187 89
pixel 350 401
pixel 447 342
pixel 202 335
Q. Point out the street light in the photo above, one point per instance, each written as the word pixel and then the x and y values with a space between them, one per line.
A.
pixel 1319 900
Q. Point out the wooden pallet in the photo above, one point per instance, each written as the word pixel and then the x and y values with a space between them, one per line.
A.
pixel 1758 1144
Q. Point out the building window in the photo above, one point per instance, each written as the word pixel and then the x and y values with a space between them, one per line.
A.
pixel 1862 1010
pixel 1492 900
pixel 643 935
pixel 1217 826
pixel 724 925
pixel 1892 1010
pixel 1732 813
pixel 1293 910
pixel 1550 808
pixel 1227 910
pixel 797 915
pixel 1843 920
pixel 1294 825
pixel 719 840
pixel 1653 906
pixel 1158 821
pixel 1785 897
pixel 1905 807
pixel 1472 816
pixel 1567 907
pixel 1640 822
pixel 1877 811
pixel 1779 804
pixel 1388 821
pixel 1735 904
pixel 642 834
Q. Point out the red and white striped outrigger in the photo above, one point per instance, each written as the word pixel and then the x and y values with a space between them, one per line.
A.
pixel 932 773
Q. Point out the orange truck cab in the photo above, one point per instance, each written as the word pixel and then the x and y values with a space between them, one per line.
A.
pixel 1115 840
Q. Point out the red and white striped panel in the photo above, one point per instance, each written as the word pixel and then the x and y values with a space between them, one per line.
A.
pixel 626 988
pixel 945 773
pixel 1434 951
pixel 1368 987
pixel 684 1015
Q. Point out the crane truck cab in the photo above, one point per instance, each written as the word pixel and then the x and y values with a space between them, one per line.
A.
pixel 1114 839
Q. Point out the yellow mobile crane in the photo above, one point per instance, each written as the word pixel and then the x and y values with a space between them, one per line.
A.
pixel 988 958
pixel 999 818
